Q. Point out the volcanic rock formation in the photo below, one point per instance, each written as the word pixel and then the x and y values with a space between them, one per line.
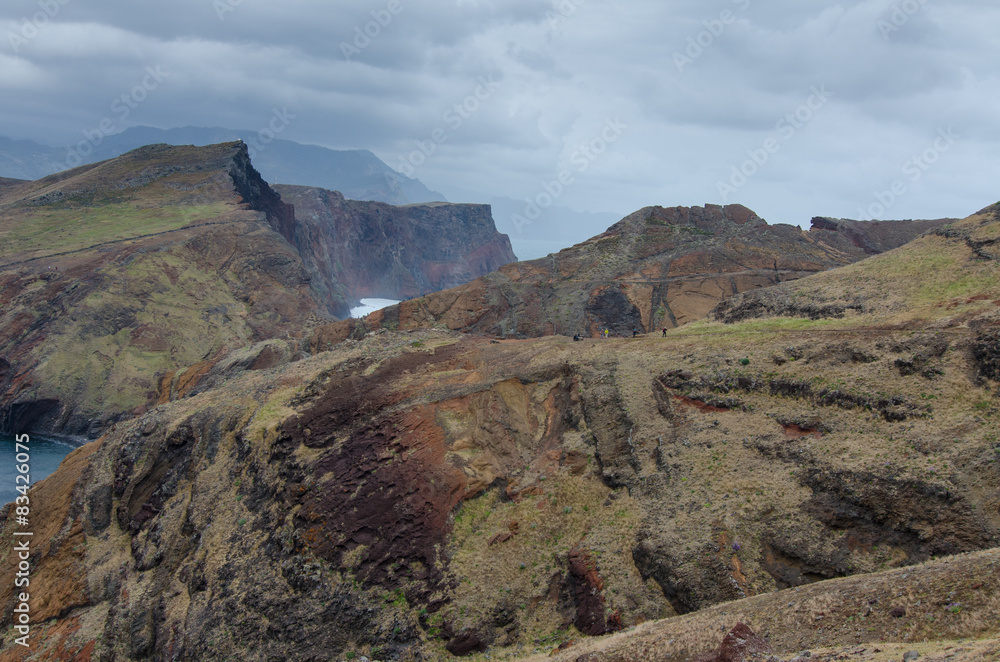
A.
pixel 378 250
pixel 659 267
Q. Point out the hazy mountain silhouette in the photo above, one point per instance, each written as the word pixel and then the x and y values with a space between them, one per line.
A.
pixel 358 174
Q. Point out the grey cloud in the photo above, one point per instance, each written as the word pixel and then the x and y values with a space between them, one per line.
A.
pixel 562 74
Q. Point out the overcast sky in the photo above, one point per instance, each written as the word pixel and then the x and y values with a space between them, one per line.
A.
pixel 794 108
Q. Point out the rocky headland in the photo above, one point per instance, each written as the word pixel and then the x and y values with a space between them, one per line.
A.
pixel 124 281
pixel 657 268
pixel 378 250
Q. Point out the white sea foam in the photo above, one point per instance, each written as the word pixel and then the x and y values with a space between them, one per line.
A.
pixel 370 306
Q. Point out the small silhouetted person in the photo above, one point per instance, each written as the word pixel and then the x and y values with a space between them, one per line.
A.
pixel 664 332
pixel 635 333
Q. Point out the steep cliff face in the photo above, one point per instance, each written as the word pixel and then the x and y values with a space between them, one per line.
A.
pixel 359 174
pixel 377 250
pixel 115 274
pixel 659 267
pixel 124 281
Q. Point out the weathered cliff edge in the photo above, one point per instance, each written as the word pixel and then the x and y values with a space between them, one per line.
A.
pixel 124 281
pixel 378 250
pixel 115 274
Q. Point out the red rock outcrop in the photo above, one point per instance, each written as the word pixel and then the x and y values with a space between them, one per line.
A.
pixel 741 644
pixel 588 588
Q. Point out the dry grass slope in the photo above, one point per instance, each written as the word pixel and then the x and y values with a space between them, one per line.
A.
pixel 930 607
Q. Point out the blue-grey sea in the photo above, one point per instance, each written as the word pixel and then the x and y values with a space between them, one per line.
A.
pixel 44 456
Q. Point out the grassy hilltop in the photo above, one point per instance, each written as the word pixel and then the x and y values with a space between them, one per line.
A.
pixel 114 275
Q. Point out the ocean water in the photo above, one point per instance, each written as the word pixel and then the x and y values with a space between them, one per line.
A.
pixel 370 306
pixel 44 456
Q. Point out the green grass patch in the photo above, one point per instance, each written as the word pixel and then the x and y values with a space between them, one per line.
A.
pixel 50 230
pixel 757 327
pixel 94 355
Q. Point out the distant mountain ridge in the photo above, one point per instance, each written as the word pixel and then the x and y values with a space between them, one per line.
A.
pixel 26 159
pixel 358 174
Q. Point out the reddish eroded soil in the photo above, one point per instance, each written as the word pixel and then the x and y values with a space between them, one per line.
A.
pixel 64 643
pixel 387 487
pixel 796 431
pixel 367 495
pixel 588 587
pixel 391 471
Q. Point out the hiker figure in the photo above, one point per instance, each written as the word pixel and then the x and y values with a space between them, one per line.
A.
pixel 606 333
pixel 634 333
pixel 664 332
pixel 576 337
